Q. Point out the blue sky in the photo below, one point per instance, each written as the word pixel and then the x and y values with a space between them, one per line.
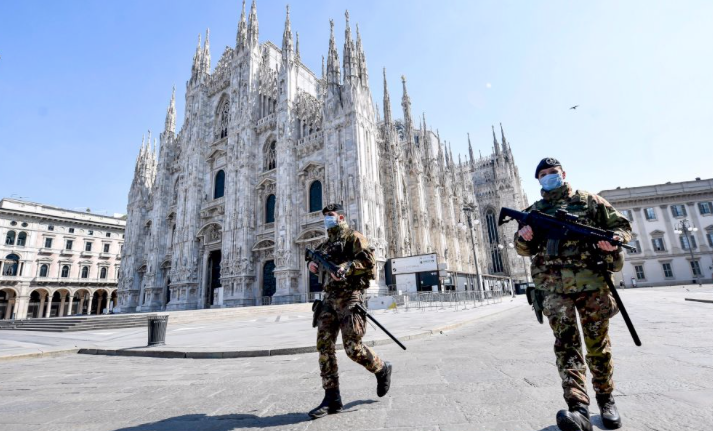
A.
pixel 82 81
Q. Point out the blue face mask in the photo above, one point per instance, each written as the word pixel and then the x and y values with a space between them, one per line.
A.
pixel 330 222
pixel 551 181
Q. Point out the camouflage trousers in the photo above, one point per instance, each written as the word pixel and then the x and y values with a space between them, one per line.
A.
pixel 595 308
pixel 338 314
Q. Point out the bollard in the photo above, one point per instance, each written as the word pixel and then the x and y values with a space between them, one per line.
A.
pixel 157 330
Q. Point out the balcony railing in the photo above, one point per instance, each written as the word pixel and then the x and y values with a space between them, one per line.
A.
pixel 66 252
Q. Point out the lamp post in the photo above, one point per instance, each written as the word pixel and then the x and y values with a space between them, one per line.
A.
pixel 468 210
pixel 684 227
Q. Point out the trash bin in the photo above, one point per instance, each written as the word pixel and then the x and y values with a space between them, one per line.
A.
pixel 157 330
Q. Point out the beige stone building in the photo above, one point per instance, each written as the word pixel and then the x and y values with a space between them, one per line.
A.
pixel 56 262
pixel 665 254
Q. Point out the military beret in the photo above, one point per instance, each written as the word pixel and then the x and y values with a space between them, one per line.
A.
pixel 547 162
pixel 338 208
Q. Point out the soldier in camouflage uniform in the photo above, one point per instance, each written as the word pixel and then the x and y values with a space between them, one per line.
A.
pixel 571 285
pixel 350 250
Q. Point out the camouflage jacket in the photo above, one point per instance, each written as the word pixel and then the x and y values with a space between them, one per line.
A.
pixel 569 271
pixel 347 246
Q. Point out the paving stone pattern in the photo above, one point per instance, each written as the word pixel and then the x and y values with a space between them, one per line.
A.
pixel 495 374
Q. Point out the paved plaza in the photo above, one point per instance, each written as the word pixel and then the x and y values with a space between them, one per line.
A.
pixel 495 373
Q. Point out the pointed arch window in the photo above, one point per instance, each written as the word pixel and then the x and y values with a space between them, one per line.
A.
pixel 219 189
pixel 224 119
pixel 494 240
pixel 270 209
pixel 65 271
pixel 10 238
pixel 22 239
pixel 315 196
pixel 12 263
pixel 271 156
pixel 44 269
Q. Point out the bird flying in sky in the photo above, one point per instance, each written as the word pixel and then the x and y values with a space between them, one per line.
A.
pixel 574 107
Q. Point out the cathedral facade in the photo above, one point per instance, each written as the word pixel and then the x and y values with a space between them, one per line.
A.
pixel 222 215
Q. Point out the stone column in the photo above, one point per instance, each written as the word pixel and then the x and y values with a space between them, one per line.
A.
pixel 42 305
pixel 60 312
pixel 10 307
pixel 49 305
pixel 206 277
pixel 89 308
pixel 81 304
pixel 100 301
pixel 69 306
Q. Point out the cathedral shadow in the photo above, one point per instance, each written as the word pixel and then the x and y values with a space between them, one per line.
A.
pixel 198 422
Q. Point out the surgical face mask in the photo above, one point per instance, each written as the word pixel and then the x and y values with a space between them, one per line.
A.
pixel 551 181
pixel 330 222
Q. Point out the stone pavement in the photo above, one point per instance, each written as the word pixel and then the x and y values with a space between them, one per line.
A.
pixel 496 374
pixel 254 333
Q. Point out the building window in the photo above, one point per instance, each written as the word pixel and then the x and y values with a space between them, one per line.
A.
pixel 667 271
pixel 48 242
pixel 85 272
pixel 102 273
pixel 658 244
pixel 270 209
pixel 10 238
pixel 12 263
pixel 271 156
pixel 627 214
pixel 705 208
pixel 65 271
pixel 315 196
pixel 44 269
pixel 678 210
pixel 494 240
pixel 639 272
pixel 696 268
pixel 710 239
pixel 219 189
pixel 71 230
pixel 650 213
pixel 87 246
pixel 108 234
pixel 106 248
pixel 13 223
pixel 91 232
pixel 50 227
pixel 22 239
pixel 24 224
pixel 224 117
pixel 685 243
pixel 68 244
pixel 634 243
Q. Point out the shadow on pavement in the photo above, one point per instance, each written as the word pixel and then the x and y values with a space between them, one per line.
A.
pixel 200 422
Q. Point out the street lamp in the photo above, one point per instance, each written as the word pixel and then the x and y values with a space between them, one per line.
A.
pixel 684 227
pixel 468 210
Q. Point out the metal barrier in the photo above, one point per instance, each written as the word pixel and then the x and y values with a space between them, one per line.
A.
pixel 442 300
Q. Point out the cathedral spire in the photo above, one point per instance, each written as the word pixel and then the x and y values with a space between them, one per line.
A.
pixel 197 59
pixel 170 125
pixel 253 26
pixel 387 102
pixel 333 72
pixel 496 146
pixel 206 52
pixel 361 60
pixel 506 144
pixel 470 152
pixel 349 54
pixel 287 37
pixel 242 37
pixel 297 45
pixel 323 73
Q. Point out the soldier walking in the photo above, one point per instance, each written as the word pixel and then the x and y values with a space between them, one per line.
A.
pixel 349 250
pixel 564 273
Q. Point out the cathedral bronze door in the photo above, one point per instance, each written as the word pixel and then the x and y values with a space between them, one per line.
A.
pixel 269 285
pixel 214 271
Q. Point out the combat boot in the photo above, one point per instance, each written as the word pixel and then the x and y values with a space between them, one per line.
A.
pixel 609 412
pixel 576 419
pixel 383 380
pixel 332 403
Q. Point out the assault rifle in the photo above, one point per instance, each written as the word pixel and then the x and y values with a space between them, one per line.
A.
pixel 563 226
pixel 325 265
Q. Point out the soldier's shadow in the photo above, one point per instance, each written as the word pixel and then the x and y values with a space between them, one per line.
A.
pixel 200 421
